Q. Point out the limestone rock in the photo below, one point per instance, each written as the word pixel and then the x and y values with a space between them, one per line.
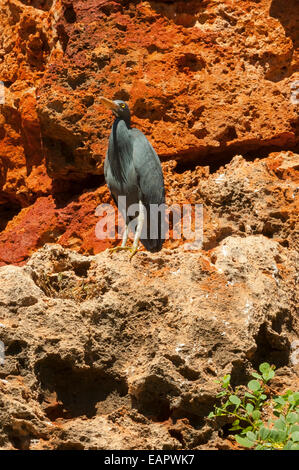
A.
pixel 92 362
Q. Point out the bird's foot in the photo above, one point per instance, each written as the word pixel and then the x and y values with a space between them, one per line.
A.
pixel 119 248
pixel 129 248
pixel 134 250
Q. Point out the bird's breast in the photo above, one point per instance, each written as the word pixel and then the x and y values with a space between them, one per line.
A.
pixel 122 179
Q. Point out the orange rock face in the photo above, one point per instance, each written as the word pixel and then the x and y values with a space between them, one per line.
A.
pixel 97 352
pixel 205 81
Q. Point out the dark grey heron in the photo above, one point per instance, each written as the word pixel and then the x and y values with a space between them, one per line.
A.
pixel 133 170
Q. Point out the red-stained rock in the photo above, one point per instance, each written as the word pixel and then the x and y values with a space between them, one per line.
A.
pixel 205 81
pixel 200 79
pixel 31 228
pixel 72 225
pixel 241 198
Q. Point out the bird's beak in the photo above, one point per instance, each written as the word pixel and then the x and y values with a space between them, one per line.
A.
pixel 109 103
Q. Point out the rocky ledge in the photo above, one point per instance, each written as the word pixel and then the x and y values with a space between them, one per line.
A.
pixel 101 353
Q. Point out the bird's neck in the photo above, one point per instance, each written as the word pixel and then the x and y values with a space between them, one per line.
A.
pixel 126 121
pixel 120 149
pixel 121 136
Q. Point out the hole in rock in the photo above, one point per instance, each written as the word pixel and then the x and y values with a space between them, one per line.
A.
pixel 156 410
pixel 81 269
pixel 7 83
pixel 195 420
pixel 58 150
pixel 190 62
pixel 76 81
pixel 153 111
pixel 216 159
pixel 70 14
pixel 239 374
pixel 66 191
pixel 270 349
pixel 153 398
pixel 77 392
pixel 70 446
pixel 287 14
pixel 121 95
pixel 39 4
pixel 7 212
pixel 15 348
pixel 19 440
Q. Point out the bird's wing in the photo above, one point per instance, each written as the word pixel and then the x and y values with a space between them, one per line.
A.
pixel 106 166
pixel 148 169
pixel 151 186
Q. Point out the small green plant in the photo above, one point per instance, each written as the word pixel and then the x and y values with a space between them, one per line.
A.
pixel 249 407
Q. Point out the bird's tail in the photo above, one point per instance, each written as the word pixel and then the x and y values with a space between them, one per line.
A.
pixel 153 234
pixel 152 245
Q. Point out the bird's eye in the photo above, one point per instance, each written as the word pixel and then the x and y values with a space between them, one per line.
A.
pixel 123 105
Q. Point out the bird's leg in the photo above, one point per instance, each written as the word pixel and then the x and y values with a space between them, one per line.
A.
pixel 138 230
pixel 124 241
pixel 125 236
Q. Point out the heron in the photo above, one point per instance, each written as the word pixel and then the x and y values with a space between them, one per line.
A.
pixel 132 169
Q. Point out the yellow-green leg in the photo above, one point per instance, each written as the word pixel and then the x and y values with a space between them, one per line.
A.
pixel 134 247
pixel 140 222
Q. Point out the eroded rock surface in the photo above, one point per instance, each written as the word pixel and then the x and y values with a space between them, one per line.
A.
pixel 101 353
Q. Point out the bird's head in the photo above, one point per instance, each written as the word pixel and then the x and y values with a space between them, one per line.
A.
pixel 119 108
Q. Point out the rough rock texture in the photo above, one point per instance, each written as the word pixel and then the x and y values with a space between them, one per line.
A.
pixel 101 353
pixel 91 362
pixel 243 197
pixel 205 80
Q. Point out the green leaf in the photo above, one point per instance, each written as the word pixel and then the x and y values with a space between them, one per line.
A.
pixel 294 427
pixel 295 436
pixel 292 418
pixel 235 400
pixel 251 436
pixel 256 414
pixel 245 430
pixel 254 385
pixel 293 398
pixel 260 447
pixel 251 397
pixel 226 381
pixel 244 441
pixel 256 375
pixel 294 447
pixel 249 408
pixel 280 401
pixel 268 375
pixel 267 371
pixel 263 432
pixel 211 415
pixel 279 424
pixel 296 396
pixel 264 367
pixel 235 428
pixel 276 436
